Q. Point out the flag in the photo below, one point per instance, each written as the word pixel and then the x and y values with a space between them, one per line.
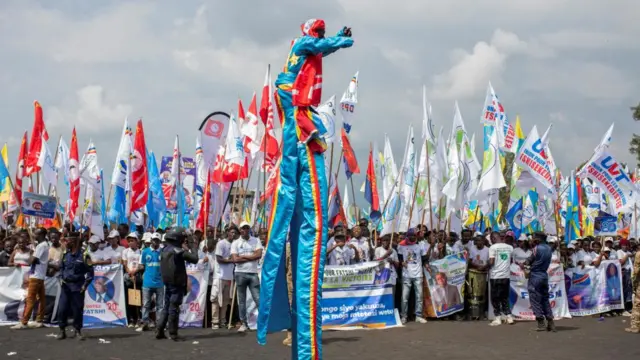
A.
pixel 327 114
pixel 514 218
pixel 20 170
pixel 491 177
pixel 139 173
pixel 348 102
pixel 270 145
pixel 39 136
pixel 121 169
pixel 74 177
pixel 62 160
pixel 371 189
pixel 47 165
pixel 520 138
pixel 606 140
pixel 532 158
pixel 336 212
pixel 231 163
pixel 156 204
pixel 89 169
pixel 349 157
pixel 203 215
pixel 251 128
pixel 272 183
pixel 5 185
pixel 572 221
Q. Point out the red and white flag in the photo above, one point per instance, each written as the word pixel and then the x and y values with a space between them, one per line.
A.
pixel 17 187
pixel 231 163
pixel 74 177
pixel 140 179
pixel 205 205
pixel 270 145
pixel 38 136
pixel 251 128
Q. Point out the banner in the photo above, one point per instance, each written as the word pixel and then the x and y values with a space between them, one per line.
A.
pixel 592 290
pixel 533 159
pixel 605 225
pixel 519 294
pixel 445 280
pixel 358 296
pixel 610 176
pixel 187 178
pixel 13 292
pixel 194 302
pixel 38 205
pixel 104 304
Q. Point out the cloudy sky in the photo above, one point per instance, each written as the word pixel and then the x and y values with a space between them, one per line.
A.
pixel 92 63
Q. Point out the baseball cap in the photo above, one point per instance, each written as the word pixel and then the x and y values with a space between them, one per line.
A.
pixel 243 224
pixel 571 246
pixel 510 233
pixel 133 235
pixel 156 236
pixel 552 239
pixel 146 237
pixel 113 234
pixel 94 239
pixel 608 238
pixel 523 237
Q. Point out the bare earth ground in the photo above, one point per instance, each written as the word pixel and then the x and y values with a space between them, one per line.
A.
pixel 580 338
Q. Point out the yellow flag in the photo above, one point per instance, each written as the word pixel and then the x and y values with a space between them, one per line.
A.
pixel 519 134
pixel 5 189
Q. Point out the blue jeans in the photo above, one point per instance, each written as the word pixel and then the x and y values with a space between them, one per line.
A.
pixel 147 294
pixel 406 291
pixel 244 281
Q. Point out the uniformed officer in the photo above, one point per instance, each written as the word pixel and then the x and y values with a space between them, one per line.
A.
pixel 539 261
pixel 174 277
pixel 76 273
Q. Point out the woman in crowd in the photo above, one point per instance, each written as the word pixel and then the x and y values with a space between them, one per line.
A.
pixel 523 251
pixel 21 254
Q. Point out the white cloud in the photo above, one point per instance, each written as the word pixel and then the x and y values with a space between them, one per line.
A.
pixel 92 112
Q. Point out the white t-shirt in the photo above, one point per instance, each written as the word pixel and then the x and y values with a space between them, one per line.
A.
pixel 627 264
pixel 520 255
pixel 412 255
pixel 380 252
pixel 364 250
pixel 555 257
pixel 242 247
pixel 98 255
pixel 581 255
pixel 119 250
pixel 459 246
pixel 132 257
pixel 341 256
pixel 479 257
pixel 223 249
pixel 39 271
pixel 501 252
pixel 109 254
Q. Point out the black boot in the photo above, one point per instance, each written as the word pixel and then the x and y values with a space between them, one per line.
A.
pixel 160 334
pixel 62 335
pixel 550 325
pixel 541 325
pixel 79 335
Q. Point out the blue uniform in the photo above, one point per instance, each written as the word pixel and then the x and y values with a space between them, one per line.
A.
pixel 299 209
pixel 539 281
pixel 76 274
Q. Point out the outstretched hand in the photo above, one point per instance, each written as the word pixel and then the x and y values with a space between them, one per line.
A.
pixel 346 31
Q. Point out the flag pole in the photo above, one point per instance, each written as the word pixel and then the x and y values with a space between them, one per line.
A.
pixel 331 159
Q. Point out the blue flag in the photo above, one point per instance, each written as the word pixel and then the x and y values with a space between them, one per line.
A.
pixel 514 217
pixel 156 204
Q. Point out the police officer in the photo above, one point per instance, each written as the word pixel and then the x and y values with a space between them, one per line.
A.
pixel 539 282
pixel 76 273
pixel 174 276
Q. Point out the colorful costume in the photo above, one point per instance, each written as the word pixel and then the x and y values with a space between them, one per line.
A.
pixel 299 207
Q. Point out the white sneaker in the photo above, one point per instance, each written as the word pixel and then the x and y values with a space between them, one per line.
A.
pixel 404 321
pixel 626 314
pixel 35 325
pixel 496 322
pixel 131 325
pixel 421 320
pixel 510 320
pixel 19 326
pixel 242 329
pixel 215 327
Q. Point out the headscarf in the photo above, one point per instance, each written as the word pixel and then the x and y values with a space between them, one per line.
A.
pixel 311 27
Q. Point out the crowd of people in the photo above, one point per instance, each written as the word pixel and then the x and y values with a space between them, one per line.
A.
pixel 234 256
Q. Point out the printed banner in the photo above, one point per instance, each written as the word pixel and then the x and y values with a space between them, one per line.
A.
pixel 533 159
pixel 187 178
pixel 195 301
pixel 104 304
pixel 519 294
pixel 445 280
pixel 592 290
pixel 605 171
pixel 605 225
pixel 358 296
pixel 13 292
pixel 38 205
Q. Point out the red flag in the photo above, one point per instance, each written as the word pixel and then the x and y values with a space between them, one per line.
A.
pixel 22 157
pixel 74 177
pixel 203 215
pixel 371 189
pixel 224 171
pixel 140 179
pixel 349 157
pixel 270 145
pixel 39 131
pixel 272 183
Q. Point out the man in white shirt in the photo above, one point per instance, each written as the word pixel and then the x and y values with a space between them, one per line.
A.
pixel 412 259
pixel 96 254
pixel 221 285
pixel 499 277
pixel 39 261
pixel 341 254
pixel 387 254
pixel 246 251
pixel 113 242
pixel 132 278
pixel 465 242
pixel 362 245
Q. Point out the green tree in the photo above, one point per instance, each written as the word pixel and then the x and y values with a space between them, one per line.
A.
pixel 634 144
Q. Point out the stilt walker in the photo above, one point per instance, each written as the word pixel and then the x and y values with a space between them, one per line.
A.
pixel 299 209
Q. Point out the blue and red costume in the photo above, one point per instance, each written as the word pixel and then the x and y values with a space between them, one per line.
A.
pixel 299 208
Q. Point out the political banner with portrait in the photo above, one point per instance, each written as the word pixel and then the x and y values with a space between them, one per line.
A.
pixel 104 303
pixel 195 300
pixel 445 280
pixel 187 179
pixel 358 296
pixel 519 294
pixel 594 290
pixel 13 292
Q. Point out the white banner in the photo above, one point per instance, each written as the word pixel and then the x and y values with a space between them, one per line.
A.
pixel 519 294
pixel 195 301
pixel 13 292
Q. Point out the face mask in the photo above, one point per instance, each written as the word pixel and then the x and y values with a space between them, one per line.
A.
pixel 102 246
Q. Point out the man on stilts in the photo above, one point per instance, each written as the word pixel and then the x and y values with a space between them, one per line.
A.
pixel 299 208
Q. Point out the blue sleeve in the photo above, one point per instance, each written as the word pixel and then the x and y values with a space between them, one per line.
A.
pixel 310 45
